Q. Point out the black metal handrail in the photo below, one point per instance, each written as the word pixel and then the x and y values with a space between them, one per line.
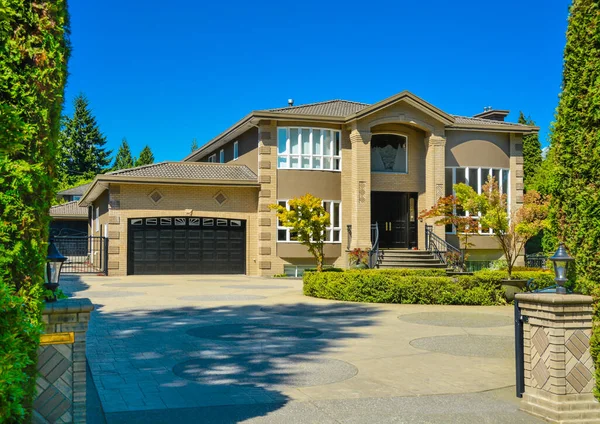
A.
pixel 442 249
pixel 374 252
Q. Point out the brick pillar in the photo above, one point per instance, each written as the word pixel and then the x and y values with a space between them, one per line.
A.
pixel 267 177
pixel 117 233
pixel 516 180
pixel 559 371
pixel 361 188
pixel 435 168
pixel 62 363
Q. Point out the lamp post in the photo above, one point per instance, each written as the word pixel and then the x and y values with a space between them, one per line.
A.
pixel 54 264
pixel 561 261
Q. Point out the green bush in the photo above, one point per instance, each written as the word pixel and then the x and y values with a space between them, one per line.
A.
pixel 19 333
pixel 415 286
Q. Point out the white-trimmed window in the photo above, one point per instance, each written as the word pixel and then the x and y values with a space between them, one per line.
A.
pixel 309 148
pixel 212 158
pixel 333 230
pixel 235 150
pixel 476 177
pixel 222 156
pixel 97 224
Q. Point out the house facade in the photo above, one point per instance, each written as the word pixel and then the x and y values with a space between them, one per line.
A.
pixel 371 164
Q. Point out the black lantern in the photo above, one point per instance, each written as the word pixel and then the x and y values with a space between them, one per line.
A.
pixel 561 261
pixel 54 264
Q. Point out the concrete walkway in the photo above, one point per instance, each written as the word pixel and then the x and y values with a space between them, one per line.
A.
pixel 216 349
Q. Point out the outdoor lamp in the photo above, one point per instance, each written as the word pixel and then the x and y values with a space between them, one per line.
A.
pixel 561 261
pixel 54 264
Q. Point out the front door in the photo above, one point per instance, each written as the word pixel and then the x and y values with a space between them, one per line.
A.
pixel 396 216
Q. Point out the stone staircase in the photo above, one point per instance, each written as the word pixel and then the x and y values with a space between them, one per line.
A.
pixel 403 258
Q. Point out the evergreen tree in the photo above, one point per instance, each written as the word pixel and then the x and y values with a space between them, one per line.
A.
pixel 82 143
pixel 146 157
pixel 194 145
pixel 532 152
pixel 123 159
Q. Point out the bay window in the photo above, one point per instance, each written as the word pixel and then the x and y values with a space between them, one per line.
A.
pixel 309 148
pixel 476 177
pixel 333 232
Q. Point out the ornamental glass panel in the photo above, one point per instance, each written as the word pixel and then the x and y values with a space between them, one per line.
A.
pixel 389 153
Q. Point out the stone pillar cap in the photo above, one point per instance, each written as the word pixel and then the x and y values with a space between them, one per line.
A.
pixel 554 299
pixel 70 305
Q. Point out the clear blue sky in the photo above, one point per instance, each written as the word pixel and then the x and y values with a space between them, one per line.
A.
pixel 162 73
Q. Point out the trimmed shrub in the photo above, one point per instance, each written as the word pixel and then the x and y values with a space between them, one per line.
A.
pixel 409 286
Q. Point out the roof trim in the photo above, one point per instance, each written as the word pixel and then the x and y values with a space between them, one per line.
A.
pixel 415 101
pixel 520 129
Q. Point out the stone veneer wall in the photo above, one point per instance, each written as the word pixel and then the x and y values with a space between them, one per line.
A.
pixel 61 384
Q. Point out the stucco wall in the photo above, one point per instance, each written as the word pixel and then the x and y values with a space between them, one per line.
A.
pixel 323 184
pixel 476 148
pixel 247 150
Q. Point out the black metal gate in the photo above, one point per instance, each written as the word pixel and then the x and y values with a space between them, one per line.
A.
pixel 85 254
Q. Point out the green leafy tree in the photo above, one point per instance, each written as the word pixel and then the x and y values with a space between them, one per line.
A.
pixel 511 232
pixel 34 41
pixel 575 147
pixel 123 158
pixel 83 145
pixel 146 157
pixel 194 145
pixel 308 219
pixel 532 152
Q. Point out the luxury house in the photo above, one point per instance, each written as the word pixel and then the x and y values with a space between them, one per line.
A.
pixel 371 164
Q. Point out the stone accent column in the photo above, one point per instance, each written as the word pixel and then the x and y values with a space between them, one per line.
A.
pixel 61 364
pixel 559 371
pixel 361 188
pixel 117 233
pixel 267 220
pixel 515 200
pixel 435 182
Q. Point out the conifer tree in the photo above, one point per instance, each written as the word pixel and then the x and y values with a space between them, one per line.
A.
pixel 194 145
pixel 146 157
pixel 532 152
pixel 123 159
pixel 83 145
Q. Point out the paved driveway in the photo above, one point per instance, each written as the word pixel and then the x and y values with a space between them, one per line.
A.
pixel 204 349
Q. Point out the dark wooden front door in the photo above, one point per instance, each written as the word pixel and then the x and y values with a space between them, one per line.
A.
pixel 396 216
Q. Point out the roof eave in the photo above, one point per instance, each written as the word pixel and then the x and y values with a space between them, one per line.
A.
pixel 525 129
pixel 74 217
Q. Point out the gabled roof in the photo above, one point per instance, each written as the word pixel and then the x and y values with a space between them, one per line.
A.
pixel 174 173
pixel 74 191
pixel 190 170
pixel 69 210
pixel 328 108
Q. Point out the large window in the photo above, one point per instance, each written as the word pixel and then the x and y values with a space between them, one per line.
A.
pixel 389 153
pixel 309 148
pixel 476 177
pixel 333 230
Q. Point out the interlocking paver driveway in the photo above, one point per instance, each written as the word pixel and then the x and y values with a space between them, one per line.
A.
pixel 203 349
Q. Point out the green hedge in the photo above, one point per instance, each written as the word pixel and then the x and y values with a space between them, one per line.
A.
pixel 415 286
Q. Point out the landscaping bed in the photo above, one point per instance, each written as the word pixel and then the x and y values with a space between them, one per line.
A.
pixel 410 286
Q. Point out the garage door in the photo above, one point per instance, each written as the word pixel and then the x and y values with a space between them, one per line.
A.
pixel 186 245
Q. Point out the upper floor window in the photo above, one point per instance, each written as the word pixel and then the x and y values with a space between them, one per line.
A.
pixel 333 231
pixel 235 150
pixel 309 148
pixel 222 156
pixel 212 158
pixel 389 153
pixel 476 178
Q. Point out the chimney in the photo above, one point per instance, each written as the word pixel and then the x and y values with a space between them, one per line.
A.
pixel 290 102
pixel 492 114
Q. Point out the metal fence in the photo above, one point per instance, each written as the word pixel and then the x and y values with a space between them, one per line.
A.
pixel 85 254
pixel 536 260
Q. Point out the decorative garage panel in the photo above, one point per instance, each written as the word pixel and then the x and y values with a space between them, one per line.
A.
pixel 186 245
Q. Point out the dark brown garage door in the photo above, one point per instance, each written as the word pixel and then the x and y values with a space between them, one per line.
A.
pixel 186 245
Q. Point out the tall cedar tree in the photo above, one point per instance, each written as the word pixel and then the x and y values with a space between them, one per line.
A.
pixel 83 151
pixel 34 41
pixel 575 145
pixel 146 157
pixel 532 152
pixel 123 159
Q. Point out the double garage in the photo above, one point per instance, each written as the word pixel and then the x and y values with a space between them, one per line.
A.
pixel 186 245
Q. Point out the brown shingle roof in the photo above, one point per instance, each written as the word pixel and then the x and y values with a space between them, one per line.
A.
pixel 74 191
pixel 481 121
pixel 329 108
pixel 69 209
pixel 190 170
